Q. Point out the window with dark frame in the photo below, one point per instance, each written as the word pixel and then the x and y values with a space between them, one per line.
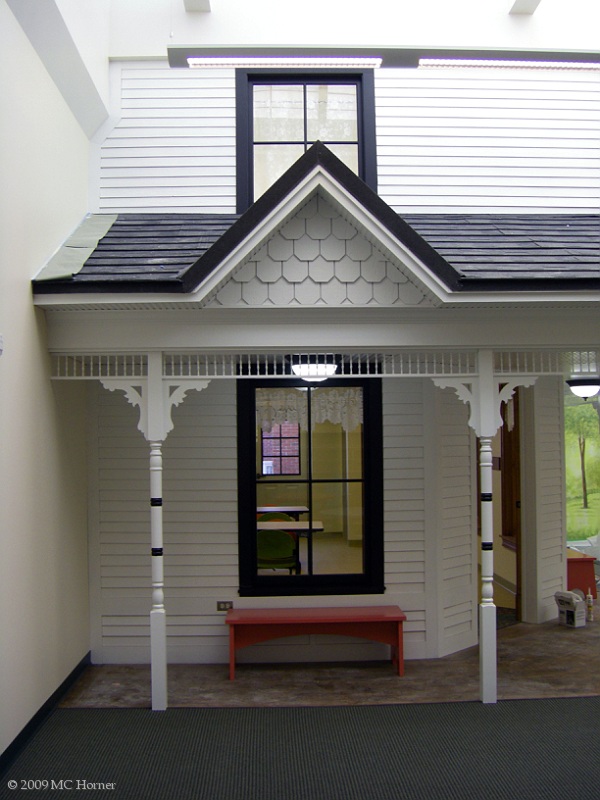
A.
pixel 281 113
pixel 334 501
pixel 280 450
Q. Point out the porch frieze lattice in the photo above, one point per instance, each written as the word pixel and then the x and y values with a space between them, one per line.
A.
pixel 193 365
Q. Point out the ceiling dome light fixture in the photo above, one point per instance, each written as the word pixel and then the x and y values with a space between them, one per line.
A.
pixel 314 367
pixel 584 387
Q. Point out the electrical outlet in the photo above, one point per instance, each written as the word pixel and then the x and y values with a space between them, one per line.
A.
pixel 224 605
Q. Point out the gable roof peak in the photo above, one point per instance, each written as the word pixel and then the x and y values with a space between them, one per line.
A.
pixel 319 171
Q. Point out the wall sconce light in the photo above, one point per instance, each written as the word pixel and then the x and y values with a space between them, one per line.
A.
pixel 314 367
pixel 584 387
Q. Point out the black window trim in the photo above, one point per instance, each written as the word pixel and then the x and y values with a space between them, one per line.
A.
pixel 371 581
pixel 245 80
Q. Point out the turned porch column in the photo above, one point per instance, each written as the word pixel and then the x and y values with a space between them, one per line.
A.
pixel 155 396
pixel 485 394
pixel 487 609
pixel 158 614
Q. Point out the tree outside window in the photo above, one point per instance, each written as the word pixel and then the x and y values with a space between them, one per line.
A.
pixel 582 453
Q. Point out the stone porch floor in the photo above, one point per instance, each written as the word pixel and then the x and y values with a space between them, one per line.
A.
pixel 534 661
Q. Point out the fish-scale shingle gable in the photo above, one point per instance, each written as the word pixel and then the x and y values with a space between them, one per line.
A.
pixel 319 258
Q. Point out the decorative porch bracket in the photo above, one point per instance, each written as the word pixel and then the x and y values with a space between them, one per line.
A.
pixel 155 397
pixel 484 395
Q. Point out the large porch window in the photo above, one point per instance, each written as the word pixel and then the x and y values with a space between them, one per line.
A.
pixel 319 529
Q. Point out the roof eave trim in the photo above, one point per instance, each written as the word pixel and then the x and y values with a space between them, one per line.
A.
pixel 551 286
pixel 147 288
pixel 164 301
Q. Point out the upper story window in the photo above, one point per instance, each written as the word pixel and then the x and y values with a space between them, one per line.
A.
pixel 281 113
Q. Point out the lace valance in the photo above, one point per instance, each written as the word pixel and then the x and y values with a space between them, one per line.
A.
pixel 339 405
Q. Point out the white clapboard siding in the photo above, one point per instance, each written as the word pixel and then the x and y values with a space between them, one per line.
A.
pixel 457 566
pixel 550 493
pixel 173 148
pixel 200 528
pixel 403 467
pixel 448 140
pixel 404 501
pixel 478 140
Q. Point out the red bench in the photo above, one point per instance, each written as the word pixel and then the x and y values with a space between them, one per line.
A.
pixel 378 623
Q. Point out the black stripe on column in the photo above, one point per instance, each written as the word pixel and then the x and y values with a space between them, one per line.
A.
pixel 487 545
pixel 157 551
pixel 486 497
pixel 156 501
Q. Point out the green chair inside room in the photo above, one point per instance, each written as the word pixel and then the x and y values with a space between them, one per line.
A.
pixel 280 516
pixel 277 550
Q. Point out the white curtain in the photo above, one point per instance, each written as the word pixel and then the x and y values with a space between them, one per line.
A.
pixel 340 405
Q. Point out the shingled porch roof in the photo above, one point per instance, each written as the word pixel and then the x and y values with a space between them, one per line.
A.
pixel 148 253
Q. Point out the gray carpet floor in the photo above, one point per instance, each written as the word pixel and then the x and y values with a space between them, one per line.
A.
pixel 547 749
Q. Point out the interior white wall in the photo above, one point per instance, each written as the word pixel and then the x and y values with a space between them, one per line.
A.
pixel 143 28
pixel 43 570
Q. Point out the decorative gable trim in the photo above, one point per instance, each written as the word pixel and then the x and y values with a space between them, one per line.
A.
pixel 320 171
pixel 320 258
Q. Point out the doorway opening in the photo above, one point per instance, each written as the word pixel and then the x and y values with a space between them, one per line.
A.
pixel 506 491
pixel 507 518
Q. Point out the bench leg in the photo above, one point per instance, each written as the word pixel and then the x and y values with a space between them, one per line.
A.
pixel 232 652
pixel 400 650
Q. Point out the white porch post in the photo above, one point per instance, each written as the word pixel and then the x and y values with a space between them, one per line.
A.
pixel 487 609
pixel 155 433
pixel 485 397
pixel 155 397
pixel 489 422
pixel 158 614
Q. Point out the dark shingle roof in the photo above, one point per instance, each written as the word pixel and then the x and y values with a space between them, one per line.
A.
pixel 153 247
pixel 468 252
pixel 487 249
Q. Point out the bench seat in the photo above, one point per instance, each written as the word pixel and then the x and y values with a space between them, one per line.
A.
pixel 383 624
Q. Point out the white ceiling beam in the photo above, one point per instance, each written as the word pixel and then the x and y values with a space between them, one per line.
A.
pixel 524 6
pixel 197 5
pixel 47 31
